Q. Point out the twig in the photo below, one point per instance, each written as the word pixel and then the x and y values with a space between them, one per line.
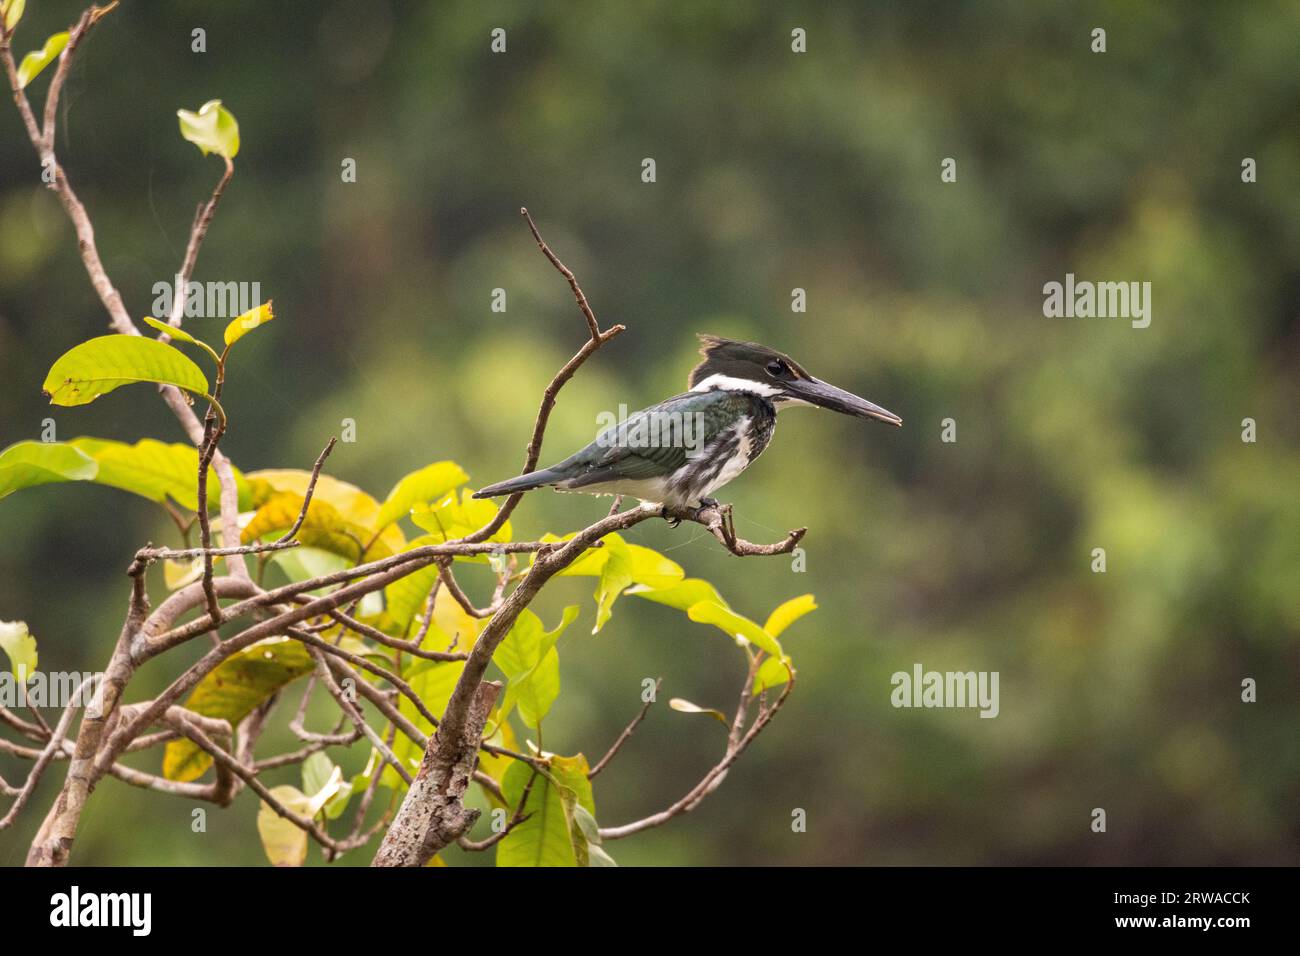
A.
pixel 597 339
pixel 54 746
pixel 444 573
pixel 564 270
pixel 410 647
pixel 353 712
pixel 627 732
pixel 710 781
pixel 516 818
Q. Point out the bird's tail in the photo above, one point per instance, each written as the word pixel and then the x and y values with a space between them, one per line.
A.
pixel 534 479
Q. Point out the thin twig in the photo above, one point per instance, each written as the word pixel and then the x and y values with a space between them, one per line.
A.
pixel 627 732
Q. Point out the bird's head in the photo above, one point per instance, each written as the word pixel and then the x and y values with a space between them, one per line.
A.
pixel 750 367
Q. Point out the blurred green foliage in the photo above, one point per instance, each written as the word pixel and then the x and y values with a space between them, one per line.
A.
pixel 775 170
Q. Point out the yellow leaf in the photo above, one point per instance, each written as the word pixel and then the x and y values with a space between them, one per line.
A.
pixel 284 842
pixel 788 613
pixel 177 574
pixel 250 320
pixel 38 60
pixel 18 643
pixel 356 506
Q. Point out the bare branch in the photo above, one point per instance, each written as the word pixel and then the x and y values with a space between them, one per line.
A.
pixel 516 818
pixel 627 732
pixel 410 647
pixel 710 781
pixel 52 748
pixel 597 339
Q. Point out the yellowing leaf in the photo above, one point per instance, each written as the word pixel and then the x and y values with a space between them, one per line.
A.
pixel 98 366
pixel 772 672
pixel 788 613
pixel 427 484
pixel 212 129
pixel 13 12
pixel 323 527
pixel 38 60
pixel 686 707
pixel 177 574
pixel 250 320
pixel 356 506
pixel 231 691
pixel 284 842
pixel 30 463
pixel 17 642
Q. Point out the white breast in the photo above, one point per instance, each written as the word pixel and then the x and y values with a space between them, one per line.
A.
pixel 737 462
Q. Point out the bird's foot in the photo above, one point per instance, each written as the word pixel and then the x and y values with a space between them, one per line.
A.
pixel 672 522
pixel 708 502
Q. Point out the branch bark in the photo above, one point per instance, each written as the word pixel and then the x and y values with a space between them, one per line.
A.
pixel 433 814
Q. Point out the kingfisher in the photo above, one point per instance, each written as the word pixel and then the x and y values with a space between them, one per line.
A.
pixel 679 452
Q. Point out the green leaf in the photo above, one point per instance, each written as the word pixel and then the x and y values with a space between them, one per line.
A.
pixel 651 569
pixel 242 325
pixel 590 831
pixel 212 129
pixel 358 784
pixel 149 468
pixel 528 658
pixel 538 691
pixel 299 564
pixel 427 484
pixel 323 779
pixel 587 824
pixel 451 517
pixel 156 470
pixel 734 625
pixel 588 564
pixel 598 857
pixel 788 613
pixel 681 595
pixel 316 772
pixel 433 682
pixel 686 707
pixel 405 597
pixel 38 60
pixel 547 837
pixel 13 12
pixel 180 335
pixel 19 645
pixel 98 366
pixel 615 577
pixel 231 691
pixel 30 463
pixel 620 566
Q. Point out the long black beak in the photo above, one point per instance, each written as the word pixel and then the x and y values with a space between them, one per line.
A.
pixel 816 392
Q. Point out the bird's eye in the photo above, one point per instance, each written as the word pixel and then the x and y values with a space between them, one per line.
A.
pixel 776 367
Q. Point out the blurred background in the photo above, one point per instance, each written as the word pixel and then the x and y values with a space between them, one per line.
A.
pixel 775 171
